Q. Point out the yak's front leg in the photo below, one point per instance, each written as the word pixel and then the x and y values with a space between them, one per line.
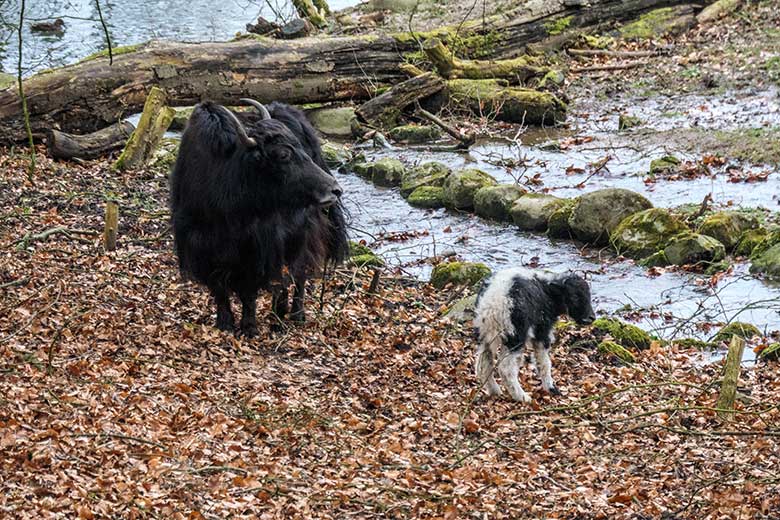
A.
pixel 225 319
pixel 248 313
pixel 298 312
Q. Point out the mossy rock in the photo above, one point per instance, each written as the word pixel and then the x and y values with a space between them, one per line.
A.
pixel 736 328
pixel 361 256
pixel 384 172
pixel 461 186
pixel 510 104
pixel 626 121
pixel 554 78
pixel 458 273
pixel 772 239
pixel 694 343
pixel 598 213
pixel 768 263
pixel 494 202
pixel 693 248
pixel 335 155
pixel 426 174
pixel 630 336
pixel 462 311
pixel 749 240
pixel 657 259
pixel 335 122
pixel 558 224
pixel 427 197
pixel 646 232
pixel 656 23
pixel 415 134
pixel 772 352
pixel 664 166
pixel 532 211
pixel 727 226
pixel 6 80
pixel 616 350
pixel 180 118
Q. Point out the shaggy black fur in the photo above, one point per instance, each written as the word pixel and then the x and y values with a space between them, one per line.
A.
pixel 241 214
pixel 538 303
pixel 315 228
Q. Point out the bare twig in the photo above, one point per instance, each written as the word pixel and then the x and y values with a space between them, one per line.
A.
pixel 105 30
pixel 25 112
pixel 465 140
pixel 617 66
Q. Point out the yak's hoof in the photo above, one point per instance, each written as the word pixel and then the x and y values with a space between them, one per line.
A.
pixel 554 391
pixel 249 330
pixel 298 317
pixel 226 324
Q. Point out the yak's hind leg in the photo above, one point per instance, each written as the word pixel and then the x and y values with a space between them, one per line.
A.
pixel 298 313
pixel 280 300
pixel 508 369
pixel 248 313
pixel 485 368
pixel 225 320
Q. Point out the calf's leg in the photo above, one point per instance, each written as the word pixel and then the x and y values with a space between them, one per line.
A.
pixel 508 369
pixel 544 367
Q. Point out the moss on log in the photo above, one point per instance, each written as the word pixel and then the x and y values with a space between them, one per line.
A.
pixel 492 98
pixel 155 119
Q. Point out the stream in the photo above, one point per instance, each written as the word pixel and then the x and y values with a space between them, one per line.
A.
pixel 671 304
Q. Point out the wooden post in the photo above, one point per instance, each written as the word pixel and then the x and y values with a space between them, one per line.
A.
pixel 111 225
pixel 155 120
pixel 731 369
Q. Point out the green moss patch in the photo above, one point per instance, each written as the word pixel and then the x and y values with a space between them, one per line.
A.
pixel 646 232
pixel 458 273
pixel 427 197
pixel 629 336
pixel 494 202
pixel 426 174
pixel 727 226
pixel 616 350
pixel 460 187
pixel 736 328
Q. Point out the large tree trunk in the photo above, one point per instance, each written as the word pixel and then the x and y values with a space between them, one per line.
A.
pixel 90 95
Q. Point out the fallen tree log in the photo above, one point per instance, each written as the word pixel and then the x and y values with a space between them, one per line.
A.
pixel 384 110
pixel 92 94
pixel 493 99
pixel 61 145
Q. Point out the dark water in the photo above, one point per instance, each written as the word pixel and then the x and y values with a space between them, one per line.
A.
pixel 129 22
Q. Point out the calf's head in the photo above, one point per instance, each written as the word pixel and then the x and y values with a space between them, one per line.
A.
pixel 573 294
pixel 276 166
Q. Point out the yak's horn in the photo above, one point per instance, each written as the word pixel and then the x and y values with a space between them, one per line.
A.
pixel 259 106
pixel 247 141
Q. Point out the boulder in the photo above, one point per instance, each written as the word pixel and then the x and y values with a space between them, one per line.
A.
pixel 458 273
pixel 558 224
pixel 461 186
pixel 693 248
pixel 736 328
pixel 596 214
pixel 427 197
pixel 415 134
pixel 361 256
pixel 772 352
pixel 494 202
pixel 749 240
pixel 646 232
pixel 771 239
pixel 335 155
pixel 462 311
pixel 426 174
pixel 532 211
pixel 384 172
pixel 727 226
pixel 336 122
pixel 768 263
pixel 627 335
pixel 666 165
pixel 180 118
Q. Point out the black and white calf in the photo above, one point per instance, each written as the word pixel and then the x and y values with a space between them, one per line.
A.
pixel 516 310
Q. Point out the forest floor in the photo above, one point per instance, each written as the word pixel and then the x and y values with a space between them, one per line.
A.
pixel 118 399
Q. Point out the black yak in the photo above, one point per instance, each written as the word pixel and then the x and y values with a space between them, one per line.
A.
pixel 247 203
pixel 516 310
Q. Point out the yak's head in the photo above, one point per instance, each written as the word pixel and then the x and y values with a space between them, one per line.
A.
pixel 275 163
pixel 574 294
